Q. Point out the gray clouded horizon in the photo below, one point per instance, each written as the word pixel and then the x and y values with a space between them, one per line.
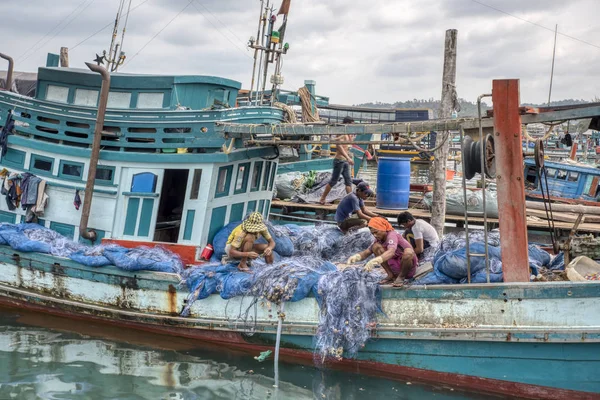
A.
pixel 356 51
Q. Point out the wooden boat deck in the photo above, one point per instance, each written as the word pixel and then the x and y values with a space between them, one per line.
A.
pixel 532 224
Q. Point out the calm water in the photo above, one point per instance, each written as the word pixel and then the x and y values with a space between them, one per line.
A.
pixel 53 358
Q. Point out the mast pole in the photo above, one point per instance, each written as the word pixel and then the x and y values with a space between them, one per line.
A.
pixel 267 46
pixel 255 45
pixel 552 71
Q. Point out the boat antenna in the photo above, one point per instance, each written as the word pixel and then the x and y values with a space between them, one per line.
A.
pixel 553 56
pixel 115 57
pixel 252 44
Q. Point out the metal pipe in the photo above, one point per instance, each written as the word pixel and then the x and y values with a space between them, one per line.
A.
pixel 9 72
pixel 482 158
pixel 89 186
pixel 278 342
pixel 464 184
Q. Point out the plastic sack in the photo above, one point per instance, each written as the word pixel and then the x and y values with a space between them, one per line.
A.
pixel 236 284
pixel 18 241
pixel 558 262
pixel 539 255
pixel 454 264
pixel 455 202
pixel 220 240
pixel 289 184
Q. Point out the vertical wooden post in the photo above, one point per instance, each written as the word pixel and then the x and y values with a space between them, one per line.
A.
pixel 438 207
pixel 509 180
pixel 64 57
pixel 573 155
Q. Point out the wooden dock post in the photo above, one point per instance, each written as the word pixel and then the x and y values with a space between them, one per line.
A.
pixel 438 206
pixel 509 180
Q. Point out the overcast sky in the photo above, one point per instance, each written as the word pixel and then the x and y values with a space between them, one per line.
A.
pixel 357 51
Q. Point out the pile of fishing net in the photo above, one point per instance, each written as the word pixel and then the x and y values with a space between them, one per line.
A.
pixel 450 259
pixel 348 299
pixel 29 238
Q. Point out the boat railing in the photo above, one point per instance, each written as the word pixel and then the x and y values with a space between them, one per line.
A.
pixel 129 130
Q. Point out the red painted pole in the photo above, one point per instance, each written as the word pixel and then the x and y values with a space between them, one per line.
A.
pixel 573 155
pixel 509 179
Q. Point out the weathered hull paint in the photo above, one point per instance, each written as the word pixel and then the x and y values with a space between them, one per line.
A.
pixel 509 339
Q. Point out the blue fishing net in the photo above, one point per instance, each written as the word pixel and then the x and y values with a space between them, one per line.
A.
pixel 349 306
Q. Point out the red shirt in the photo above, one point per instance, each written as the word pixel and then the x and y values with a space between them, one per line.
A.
pixel 395 241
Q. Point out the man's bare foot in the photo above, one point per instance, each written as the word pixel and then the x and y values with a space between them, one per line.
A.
pixel 400 282
pixel 243 268
pixel 387 280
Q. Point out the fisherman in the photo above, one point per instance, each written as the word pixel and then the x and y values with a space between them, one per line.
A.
pixel 242 245
pixel 354 203
pixel 341 164
pixel 420 234
pixel 391 251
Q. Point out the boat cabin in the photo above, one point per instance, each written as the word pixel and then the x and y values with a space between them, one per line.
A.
pixel 568 181
pixel 164 173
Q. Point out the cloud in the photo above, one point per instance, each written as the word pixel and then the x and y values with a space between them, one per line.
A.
pixel 357 51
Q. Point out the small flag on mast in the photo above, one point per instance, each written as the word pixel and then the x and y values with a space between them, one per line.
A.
pixel 285 7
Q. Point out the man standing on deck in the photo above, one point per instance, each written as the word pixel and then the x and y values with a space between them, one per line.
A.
pixel 354 203
pixel 391 251
pixel 341 164
pixel 419 233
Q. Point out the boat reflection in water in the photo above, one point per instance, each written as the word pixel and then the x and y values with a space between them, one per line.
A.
pixel 43 357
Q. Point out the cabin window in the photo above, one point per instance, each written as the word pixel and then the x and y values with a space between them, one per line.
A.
pixel 57 93
pixel 196 184
pixel 150 100
pixel 86 97
pixel 561 174
pixel 105 174
pixel 241 180
pixel 531 175
pixel 223 181
pixel 70 170
pixel 256 176
pixel 118 100
pixel 573 176
pixel 41 164
pixel 144 182
pixel 265 182
pixel 550 172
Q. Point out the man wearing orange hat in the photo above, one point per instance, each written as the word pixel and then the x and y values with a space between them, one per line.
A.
pixel 392 252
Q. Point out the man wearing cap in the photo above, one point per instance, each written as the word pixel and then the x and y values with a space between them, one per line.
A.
pixel 392 252
pixel 341 164
pixel 242 245
pixel 354 203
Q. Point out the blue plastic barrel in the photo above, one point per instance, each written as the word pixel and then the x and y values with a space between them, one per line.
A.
pixel 393 183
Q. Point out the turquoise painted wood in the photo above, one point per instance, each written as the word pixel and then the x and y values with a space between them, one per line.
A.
pixel 66 230
pixel 564 180
pixel 13 158
pixel 217 221
pixel 237 212
pixel 529 363
pixel 8 217
pixel 145 217
pixel 189 224
pixel 133 206
pixel 251 206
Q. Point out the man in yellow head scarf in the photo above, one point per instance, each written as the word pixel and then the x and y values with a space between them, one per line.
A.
pixel 242 245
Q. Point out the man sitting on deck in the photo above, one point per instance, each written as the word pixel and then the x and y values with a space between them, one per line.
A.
pixel 392 252
pixel 354 203
pixel 241 242
pixel 341 164
pixel 420 234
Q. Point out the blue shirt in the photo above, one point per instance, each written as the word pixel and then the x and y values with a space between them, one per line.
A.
pixel 348 206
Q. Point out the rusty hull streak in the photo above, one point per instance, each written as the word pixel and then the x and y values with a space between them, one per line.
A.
pixel 172 294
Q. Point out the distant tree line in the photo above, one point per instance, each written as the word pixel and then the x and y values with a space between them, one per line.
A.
pixel 467 108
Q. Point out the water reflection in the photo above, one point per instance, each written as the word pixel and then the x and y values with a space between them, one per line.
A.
pixel 42 359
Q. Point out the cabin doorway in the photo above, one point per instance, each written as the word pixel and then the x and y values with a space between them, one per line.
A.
pixel 170 208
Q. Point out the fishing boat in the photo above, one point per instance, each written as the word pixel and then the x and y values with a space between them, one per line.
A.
pixel 159 174
pixel 565 182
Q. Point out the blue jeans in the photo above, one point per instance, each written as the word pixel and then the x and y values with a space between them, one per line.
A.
pixel 340 167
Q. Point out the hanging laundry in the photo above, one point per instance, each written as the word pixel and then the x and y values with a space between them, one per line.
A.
pixel 42 199
pixel 9 188
pixel 77 200
pixel 29 187
pixel 6 130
